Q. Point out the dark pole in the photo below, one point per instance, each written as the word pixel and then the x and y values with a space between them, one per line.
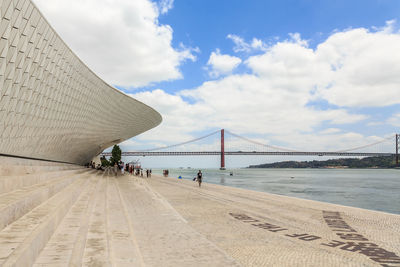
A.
pixel 222 150
pixel 397 150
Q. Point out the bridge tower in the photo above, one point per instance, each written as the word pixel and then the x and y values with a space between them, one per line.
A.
pixel 397 149
pixel 222 150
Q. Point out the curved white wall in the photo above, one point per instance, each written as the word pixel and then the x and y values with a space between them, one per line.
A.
pixel 51 105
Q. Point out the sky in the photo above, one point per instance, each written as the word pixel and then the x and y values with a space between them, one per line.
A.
pixel 305 74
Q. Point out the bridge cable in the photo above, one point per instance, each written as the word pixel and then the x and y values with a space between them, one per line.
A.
pixel 364 146
pixel 261 144
pixel 180 144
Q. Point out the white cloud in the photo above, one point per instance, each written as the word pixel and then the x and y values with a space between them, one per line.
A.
pixel 330 131
pixel 296 38
pixel 374 123
pixel 122 40
pixel 272 100
pixel 179 117
pixel 364 67
pixel 252 104
pixel 242 46
pixel 244 104
pixel 352 68
pixel 341 116
pixel 290 66
pixel 221 64
pixel 390 27
pixel 394 120
pixel 165 5
pixel 257 44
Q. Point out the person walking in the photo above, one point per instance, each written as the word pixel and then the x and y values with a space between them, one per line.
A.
pixel 199 177
pixel 116 169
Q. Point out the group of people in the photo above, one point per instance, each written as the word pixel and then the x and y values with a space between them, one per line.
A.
pixel 198 177
pixel 129 168
pixel 92 165
pixel 139 172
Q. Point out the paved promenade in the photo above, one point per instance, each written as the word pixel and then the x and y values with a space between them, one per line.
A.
pixel 260 229
pixel 84 217
pixel 71 216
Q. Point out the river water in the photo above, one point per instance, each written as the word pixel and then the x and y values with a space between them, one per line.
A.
pixel 375 189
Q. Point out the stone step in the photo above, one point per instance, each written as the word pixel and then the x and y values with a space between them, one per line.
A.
pixel 22 241
pixel 10 183
pixel 123 244
pixel 110 239
pixel 65 247
pixel 103 220
pixel 15 204
pixel 15 166
pixel 96 250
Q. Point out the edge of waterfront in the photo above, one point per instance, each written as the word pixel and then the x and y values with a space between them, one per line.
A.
pixel 263 229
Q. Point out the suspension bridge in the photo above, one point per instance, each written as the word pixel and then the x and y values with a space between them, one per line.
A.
pixel 251 147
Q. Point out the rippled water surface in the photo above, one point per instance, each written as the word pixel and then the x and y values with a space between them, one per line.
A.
pixel 374 189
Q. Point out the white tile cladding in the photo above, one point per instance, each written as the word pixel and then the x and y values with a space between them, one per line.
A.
pixel 52 106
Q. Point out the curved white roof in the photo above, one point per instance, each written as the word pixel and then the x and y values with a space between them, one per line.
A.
pixel 52 106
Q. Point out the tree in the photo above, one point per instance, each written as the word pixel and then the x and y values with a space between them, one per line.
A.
pixel 115 155
pixel 104 161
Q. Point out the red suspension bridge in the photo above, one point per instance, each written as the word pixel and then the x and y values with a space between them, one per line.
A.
pixel 378 148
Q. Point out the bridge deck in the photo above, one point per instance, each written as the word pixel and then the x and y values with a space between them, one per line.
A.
pixel 251 153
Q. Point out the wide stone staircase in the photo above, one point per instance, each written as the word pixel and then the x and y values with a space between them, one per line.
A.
pixel 54 214
pixel 34 198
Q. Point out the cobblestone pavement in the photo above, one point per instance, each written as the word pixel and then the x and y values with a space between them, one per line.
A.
pixel 84 217
pixel 260 229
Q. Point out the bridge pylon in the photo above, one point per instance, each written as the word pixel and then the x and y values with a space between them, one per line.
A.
pixel 397 149
pixel 222 150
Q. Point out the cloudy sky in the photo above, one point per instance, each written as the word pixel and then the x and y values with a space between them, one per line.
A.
pixel 308 75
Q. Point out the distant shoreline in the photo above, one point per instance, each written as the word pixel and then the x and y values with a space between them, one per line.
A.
pixel 386 162
pixel 327 168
